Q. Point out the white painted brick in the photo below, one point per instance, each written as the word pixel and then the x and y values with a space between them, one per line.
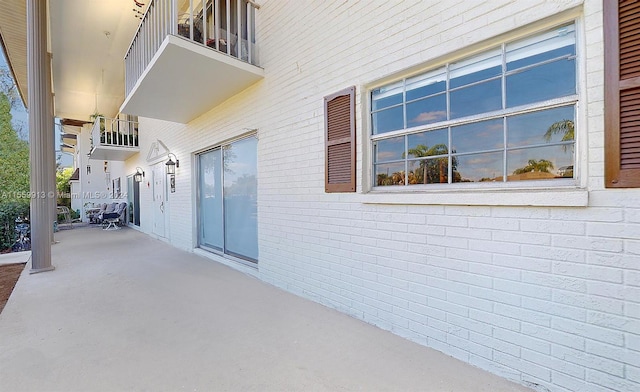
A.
pixel 553 335
pixel 587 272
pixel 633 373
pixel 612 382
pixel 494 223
pixel 554 363
pixel 589 361
pixel 508 248
pixel 614 230
pixel 524 366
pixel 586 301
pixel 535 268
pixel 588 243
pixel 524 263
pixel 518 313
pixel 610 321
pixel 588 331
pixel 523 289
pixel 632 278
pixel 614 353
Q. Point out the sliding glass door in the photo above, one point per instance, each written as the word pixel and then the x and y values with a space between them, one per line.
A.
pixel 227 199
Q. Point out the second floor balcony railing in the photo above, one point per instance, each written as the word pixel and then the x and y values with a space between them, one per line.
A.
pixel 114 132
pixel 226 26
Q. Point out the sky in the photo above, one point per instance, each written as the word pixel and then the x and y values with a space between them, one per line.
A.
pixel 21 118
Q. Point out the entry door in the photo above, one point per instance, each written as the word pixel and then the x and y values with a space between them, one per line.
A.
pixel 159 199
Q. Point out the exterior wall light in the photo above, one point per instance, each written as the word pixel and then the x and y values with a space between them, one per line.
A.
pixel 139 175
pixel 171 165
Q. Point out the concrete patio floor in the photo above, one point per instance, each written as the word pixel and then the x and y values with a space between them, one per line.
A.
pixel 123 311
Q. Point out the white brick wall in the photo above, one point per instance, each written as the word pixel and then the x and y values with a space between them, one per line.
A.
pixel 546 296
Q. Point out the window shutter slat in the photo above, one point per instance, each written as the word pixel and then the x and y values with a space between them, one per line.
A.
pixel 340 143
pixel 622 93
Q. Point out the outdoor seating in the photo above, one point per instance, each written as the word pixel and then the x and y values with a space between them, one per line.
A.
pixel 114 219
pixel 93 214
pixel 64 213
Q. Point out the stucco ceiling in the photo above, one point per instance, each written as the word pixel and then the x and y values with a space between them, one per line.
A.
pixel 88 40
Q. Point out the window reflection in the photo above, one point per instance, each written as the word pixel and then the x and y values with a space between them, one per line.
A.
pixel 480 136
pixel 545 126
pixel 390 174
pixel 543 82
pixel 389 149
pixel 388 120
pixel 484 139
pixel 485 167
pixel 427 111
pixel 542 163
pixel 475 99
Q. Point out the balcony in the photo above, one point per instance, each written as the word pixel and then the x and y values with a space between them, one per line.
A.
pixel 114 139
pixel 189 56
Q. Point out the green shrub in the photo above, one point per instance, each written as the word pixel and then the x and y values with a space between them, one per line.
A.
pixel 9 211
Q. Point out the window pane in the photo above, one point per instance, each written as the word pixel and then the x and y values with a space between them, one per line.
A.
pixel 546 126
pixel 427 144
pixel 480 98
pixel 478 167
pixel 210 199
pixel 389 149
pixel 426 84
pixel 388 120
pixel 548 81
pixel 553 44
pixel 429 171
pixel 389 174
pixel 241 198
pixel 480 136
pixel 540 163
pixel 386 96
pixel 427 111
pixel 475 69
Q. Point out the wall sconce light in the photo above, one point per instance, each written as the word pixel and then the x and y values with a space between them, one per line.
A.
pixel 139 175
pixel 171 165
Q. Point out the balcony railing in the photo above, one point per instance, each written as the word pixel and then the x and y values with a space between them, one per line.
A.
pixel 226 26
pixel 114 132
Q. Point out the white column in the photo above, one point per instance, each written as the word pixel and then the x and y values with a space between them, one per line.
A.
pixel 40 137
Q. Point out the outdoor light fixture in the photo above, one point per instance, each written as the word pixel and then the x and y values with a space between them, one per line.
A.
pixel 171 165
pixel 139 174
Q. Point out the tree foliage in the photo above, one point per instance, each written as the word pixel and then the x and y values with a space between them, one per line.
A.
pixel 63 186
pixel 533 165
pixel 14 156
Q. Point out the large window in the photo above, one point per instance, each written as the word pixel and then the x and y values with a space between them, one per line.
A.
pixel 506 114
pixel 227 199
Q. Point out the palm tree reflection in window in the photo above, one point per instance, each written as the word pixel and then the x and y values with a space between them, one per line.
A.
pixel 429 171
pixel 567 129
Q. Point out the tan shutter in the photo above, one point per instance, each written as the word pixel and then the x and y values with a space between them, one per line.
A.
pixel 622 93
pixel 340 141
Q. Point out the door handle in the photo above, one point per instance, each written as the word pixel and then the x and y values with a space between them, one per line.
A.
pixel 162 207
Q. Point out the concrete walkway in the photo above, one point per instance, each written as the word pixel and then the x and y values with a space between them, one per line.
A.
pixel 124 312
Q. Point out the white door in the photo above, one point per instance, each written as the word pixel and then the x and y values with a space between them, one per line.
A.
pixel 159 199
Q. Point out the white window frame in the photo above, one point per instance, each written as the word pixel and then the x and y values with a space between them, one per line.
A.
pixel 565 192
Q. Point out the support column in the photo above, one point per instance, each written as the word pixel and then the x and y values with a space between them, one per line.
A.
pixel 40 142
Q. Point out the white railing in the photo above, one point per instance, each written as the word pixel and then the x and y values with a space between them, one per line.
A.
pixel 207 22
pixel 114 132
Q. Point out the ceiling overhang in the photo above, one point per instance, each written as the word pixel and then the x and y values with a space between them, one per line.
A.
pixel 185 79
pixel 111 153
pixel 13 39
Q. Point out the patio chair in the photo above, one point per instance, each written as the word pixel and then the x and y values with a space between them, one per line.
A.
pixel 94 214
pixel 113 220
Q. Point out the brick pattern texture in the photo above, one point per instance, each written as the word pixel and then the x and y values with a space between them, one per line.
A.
pixel 546 296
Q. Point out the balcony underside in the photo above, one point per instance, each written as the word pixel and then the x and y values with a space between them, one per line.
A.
pixel 112 153
pixel 185 80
